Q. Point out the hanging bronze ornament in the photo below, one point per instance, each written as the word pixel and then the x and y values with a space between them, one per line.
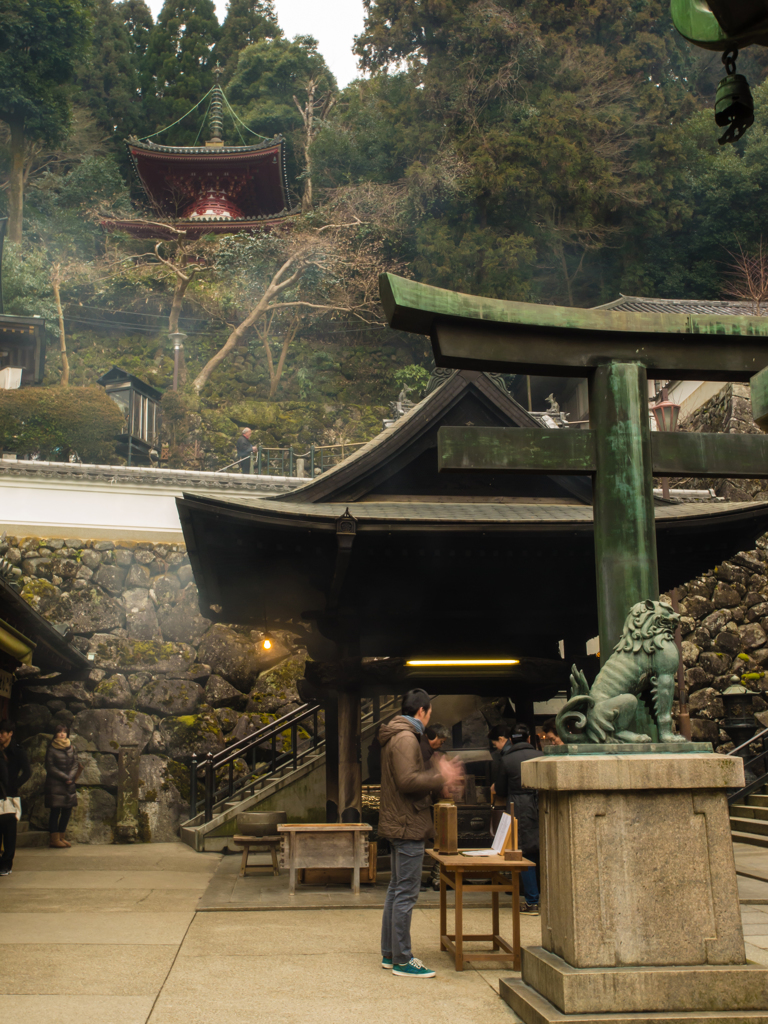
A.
pixel 734 106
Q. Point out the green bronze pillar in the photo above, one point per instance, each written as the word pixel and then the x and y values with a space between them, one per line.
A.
pixel 625 535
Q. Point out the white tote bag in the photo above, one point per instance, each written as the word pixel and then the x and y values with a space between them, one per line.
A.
pixel 11 805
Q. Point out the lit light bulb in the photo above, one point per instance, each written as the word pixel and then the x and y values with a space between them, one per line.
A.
pixel 267 644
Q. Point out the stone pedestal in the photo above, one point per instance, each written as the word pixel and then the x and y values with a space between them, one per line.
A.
pixel 640 908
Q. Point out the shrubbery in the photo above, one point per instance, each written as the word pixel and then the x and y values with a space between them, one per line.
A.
pixel 55 422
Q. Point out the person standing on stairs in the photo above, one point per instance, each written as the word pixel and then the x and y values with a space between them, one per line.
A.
pixel 61 772
pixel 17 771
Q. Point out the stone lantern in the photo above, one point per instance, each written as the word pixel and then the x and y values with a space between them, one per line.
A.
pixel 739 720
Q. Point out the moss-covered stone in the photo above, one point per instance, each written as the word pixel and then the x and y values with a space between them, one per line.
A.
pixel 164 695
pixel 188 735
pixel 141 655
pixel 275 688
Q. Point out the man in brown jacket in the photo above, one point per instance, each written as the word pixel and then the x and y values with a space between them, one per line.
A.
pixel 405 820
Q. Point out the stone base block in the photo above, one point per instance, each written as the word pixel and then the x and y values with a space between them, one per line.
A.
pixel 604 749
pixel 612 990
pixel 533 1008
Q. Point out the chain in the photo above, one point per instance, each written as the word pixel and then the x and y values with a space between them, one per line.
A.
pixel 729 59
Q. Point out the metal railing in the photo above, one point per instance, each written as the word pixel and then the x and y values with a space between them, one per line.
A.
pixel 289 461
pixel 249 745
pixel 758 783
pixel 286 728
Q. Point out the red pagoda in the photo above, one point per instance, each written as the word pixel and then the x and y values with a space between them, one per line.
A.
pixel 212 188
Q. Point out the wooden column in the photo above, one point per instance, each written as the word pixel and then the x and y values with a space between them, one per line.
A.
pixel 350 769
pixel 331 708
pixel 625 536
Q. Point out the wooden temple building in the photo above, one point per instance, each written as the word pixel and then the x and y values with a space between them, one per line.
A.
pixel 27 639
pixel 383 561
pixel 213 188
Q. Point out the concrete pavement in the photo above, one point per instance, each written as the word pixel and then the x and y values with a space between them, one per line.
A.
pixel 110 935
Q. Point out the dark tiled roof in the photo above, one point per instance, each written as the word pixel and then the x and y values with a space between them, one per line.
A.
pixel 421 512
pixel 684 307
pixel 144 476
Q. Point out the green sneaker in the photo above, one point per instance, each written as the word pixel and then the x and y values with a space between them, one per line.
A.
pixel 386 963
pixel 413 969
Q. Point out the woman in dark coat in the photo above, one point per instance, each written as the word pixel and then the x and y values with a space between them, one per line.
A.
pixel 61 770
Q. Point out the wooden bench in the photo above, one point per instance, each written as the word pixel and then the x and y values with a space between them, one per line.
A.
pixel 248 843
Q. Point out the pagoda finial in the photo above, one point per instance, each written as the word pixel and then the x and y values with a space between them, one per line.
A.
pixel 215 114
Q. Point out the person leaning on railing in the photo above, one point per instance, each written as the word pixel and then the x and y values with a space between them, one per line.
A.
pixel 245 449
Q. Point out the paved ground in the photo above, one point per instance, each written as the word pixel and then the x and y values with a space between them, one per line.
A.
pixel 109 935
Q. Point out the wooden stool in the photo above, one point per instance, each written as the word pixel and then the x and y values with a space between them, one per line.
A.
pixel 272 843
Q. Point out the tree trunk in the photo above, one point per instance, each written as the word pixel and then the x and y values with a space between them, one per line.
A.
pixel 16 186
pixel 276 285
pixel 307 202
pixel 178 297
pixel 275 377
pixel 182 283
pixel 64 380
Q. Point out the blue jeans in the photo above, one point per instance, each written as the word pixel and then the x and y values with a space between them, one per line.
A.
pixel 529 885
pixel 402 893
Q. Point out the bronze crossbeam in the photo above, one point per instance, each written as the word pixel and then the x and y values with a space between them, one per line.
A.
pixel 516 450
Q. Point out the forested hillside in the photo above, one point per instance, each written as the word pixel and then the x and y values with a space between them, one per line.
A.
pixel 556 152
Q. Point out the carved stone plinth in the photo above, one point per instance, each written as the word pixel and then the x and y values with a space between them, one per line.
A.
pixel 640 908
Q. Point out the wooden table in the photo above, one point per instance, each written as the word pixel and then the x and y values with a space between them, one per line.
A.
pixel 453 870
pixel 325 846
pixel 247 842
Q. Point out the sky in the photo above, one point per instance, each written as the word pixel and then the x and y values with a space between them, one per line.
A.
pixel 334 23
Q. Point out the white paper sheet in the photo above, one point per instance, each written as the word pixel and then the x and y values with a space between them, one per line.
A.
pixel 499 840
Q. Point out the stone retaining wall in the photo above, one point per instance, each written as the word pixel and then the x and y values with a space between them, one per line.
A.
pixel 162 677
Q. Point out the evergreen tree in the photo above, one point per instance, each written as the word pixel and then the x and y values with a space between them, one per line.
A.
pixel 178 68
pixel 271 89
pixel 538 134
pixel 107 79
pixel 137 18
pixel 247 22
pixel 41 42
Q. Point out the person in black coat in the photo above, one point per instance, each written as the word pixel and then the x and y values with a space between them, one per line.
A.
pixel 61 771
pixel 14 772
pixel 513 747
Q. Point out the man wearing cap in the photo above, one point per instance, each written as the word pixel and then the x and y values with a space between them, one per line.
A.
pixel 245 449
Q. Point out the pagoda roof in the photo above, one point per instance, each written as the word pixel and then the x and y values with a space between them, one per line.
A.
pixel 252 177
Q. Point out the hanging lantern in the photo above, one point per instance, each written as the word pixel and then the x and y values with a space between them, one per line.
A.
pixel 734 106
pixel 666 414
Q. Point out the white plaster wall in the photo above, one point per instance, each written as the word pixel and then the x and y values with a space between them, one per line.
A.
pixel 92 510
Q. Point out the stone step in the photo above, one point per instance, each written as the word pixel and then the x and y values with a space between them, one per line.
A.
pixel 758 800
pixel 749 825
pixel 751 838
pixel 749 811
pixel 28 839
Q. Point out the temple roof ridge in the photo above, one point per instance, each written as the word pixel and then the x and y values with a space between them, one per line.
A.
pixel 352 477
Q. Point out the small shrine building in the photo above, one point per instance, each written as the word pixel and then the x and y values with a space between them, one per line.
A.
pixel 385 561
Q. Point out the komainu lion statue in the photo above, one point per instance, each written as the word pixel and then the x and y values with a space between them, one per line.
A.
pixel 645 658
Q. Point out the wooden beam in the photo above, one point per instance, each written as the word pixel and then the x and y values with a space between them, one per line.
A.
pixel 471 332
pixel 531 450
pixel 515 449
pixel 736 456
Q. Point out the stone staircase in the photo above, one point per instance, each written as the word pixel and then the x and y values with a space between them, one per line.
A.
pixel 26 837
pixel 749 819
pixel 299 790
